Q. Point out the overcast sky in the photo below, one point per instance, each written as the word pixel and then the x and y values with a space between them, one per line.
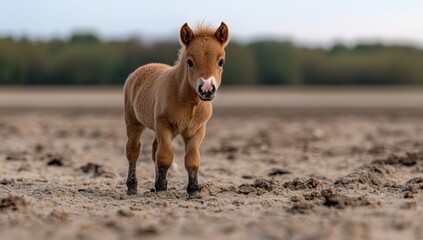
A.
pixel 319 22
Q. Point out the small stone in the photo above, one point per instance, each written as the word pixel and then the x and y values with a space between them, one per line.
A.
pixel 311 196
pixel 12 203
pixel 247 176
pixel 278 172
pixel 245 189
pixel 263 183
pixel 408 195
pixel 125 213
pixel 237 202
pixel 6 181
pixel 55 162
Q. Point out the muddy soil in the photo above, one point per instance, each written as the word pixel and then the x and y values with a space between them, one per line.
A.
pixel 283 175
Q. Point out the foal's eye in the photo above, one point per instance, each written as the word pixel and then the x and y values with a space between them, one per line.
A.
pixel 221 62
pixel 190 64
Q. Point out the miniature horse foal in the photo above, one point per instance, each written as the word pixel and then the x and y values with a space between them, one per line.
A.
pixel 174 100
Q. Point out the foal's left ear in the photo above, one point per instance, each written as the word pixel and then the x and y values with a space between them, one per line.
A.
pixel 222 34
pixel 186 34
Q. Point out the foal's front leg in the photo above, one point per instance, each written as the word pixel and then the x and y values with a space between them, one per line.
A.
pixel 192 158
pixel 164 157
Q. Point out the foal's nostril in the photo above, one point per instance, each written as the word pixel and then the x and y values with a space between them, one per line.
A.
pixel 213 89
pixel 199 88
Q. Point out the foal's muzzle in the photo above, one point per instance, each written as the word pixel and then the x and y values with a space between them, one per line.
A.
pixel 206 90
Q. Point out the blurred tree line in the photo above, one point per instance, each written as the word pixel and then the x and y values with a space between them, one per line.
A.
pixel 85 59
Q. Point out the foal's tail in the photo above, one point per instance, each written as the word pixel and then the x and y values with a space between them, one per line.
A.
pixel 129 91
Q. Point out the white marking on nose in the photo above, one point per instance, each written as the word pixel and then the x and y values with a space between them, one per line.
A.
pixel 207 84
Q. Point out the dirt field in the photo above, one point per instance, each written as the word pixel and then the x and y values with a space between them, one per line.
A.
pixel 278 165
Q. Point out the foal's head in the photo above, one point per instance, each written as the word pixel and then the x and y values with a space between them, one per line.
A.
pixel 203 57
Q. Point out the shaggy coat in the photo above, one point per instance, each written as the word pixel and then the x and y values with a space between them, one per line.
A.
pixel 174 100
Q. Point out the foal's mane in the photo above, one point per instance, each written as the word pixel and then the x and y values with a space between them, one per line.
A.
pixel 202 29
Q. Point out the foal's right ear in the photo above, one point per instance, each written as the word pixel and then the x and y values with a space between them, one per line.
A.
pixel 186 34
pixel 222 34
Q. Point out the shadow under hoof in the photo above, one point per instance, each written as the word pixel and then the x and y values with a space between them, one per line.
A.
pixel 132 191
pixel 193 190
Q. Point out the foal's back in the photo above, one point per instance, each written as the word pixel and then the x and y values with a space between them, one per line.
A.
pixel 140 90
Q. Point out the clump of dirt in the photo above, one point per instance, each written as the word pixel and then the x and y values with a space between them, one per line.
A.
pixel 299 184
pixel 408 195
pixel 297 199
pixel 7 181
pixel 311 196
pixel 327 197
pixel 54 159
pixel 414 185
pixel 227 189
pixel 410 159
pixel 95 169
pixel 376 174
pixel 332 199
pixel 264 184
pixel 12 203
pixel 55 162
pixel 260 186
pixel 125 213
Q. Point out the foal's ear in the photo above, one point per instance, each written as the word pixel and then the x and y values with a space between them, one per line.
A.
pixel 186 34
pixel 222 34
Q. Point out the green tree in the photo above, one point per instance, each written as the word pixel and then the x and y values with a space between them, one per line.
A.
pixel 240 66
pixel 276 62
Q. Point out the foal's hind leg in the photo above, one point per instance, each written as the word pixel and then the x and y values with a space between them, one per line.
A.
pixel 192 159
pixel 133 147
pixel 154 150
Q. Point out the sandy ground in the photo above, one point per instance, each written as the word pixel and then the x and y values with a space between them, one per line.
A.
pixel 319 168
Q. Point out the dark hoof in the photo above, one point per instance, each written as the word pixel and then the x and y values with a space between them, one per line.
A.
pixel 161 182
pixel 161 185
pixel 132 191
pixel 193 189
pixel 132 187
